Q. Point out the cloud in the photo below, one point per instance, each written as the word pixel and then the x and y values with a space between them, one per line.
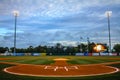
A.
pixel 50 8
pixel 44 21
pixel 64 43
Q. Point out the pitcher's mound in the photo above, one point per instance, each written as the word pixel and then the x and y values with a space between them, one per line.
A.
pixel 61 59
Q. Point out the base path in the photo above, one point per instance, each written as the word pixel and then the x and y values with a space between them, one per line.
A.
pixel 61 69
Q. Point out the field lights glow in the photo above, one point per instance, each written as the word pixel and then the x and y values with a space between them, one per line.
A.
pixel 99 48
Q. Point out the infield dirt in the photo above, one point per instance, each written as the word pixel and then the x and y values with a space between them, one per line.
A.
pixel 61 69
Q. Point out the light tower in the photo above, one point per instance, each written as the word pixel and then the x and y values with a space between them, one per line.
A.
pixel 108 14
pixel 81 49
pixel 16 14
pixel 88 42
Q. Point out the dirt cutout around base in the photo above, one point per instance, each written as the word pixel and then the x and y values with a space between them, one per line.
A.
pixel 61 69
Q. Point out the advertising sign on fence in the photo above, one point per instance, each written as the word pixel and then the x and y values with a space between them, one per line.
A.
pixel 18 54
pixel 35 54
pixel 43 54
pixel 86 54
pixel 90 54
pixel 113 54
pixel 79 54
pixel 104 54
pixel 95 54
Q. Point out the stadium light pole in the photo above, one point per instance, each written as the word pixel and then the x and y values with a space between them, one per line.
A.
pixel 81 44
pixel 88 44
pixel 16 14
pixel 108 14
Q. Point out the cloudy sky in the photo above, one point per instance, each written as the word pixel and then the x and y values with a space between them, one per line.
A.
pixel 46 22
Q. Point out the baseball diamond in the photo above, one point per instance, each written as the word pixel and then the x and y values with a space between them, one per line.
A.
pixel 61 69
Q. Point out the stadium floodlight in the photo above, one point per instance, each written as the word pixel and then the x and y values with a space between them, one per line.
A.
pixel 16 14
pixel 99 48
pixel 109 14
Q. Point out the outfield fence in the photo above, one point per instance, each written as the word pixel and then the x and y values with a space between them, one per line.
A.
pixel 51 54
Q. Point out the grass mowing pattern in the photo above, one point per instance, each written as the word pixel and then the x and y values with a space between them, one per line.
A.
pixel 30 60
pixel 49 59
pixel 90 61
pixel 87 61
pixel 33 61
pixel 39 61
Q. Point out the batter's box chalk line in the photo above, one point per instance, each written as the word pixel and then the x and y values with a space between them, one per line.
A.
pixel 66 68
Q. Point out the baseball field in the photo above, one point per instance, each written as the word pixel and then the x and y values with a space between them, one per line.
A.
pixel 59 67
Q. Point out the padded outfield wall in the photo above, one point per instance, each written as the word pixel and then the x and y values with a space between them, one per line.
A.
pixel 96 54
pixel 51 54
pixel 23 54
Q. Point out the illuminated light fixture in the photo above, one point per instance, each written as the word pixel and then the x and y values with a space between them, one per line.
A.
pixel 16 13
pixel 99 48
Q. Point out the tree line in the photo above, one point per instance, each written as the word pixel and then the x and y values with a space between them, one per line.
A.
pixel 59 49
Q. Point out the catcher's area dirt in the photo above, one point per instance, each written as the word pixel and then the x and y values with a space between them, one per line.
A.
pixel 61 69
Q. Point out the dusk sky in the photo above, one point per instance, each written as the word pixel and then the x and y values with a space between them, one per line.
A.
pixel 47 22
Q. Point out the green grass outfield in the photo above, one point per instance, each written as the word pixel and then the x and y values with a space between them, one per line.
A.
pixel 49 59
